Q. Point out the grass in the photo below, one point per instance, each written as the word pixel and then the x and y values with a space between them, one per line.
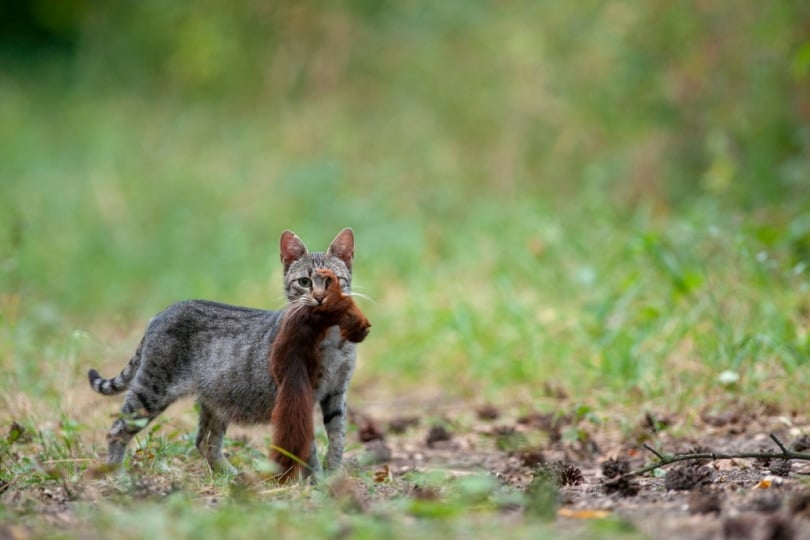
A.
pixel 518 231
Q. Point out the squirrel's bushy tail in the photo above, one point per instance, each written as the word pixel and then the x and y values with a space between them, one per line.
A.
pixel 293 428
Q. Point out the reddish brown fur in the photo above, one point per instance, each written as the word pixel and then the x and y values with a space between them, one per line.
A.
pixel 295 363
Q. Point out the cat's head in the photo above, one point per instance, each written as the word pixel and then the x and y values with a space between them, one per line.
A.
pixel 301 281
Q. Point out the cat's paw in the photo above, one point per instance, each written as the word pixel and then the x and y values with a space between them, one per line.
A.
pixel 222 466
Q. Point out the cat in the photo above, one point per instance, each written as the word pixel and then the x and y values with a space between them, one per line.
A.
pixel 219 353
pixel 295 365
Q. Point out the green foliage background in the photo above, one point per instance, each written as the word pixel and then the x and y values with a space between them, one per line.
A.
pixel 609 195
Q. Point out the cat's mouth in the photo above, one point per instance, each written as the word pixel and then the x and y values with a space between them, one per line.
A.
pixel 310 301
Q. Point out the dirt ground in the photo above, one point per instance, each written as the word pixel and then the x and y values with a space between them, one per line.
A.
pixel 733 498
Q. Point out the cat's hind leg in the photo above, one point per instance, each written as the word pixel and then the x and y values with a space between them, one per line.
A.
pixel 138 410
pixel 210 436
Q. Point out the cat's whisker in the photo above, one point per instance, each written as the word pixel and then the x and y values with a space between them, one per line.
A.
pixel 356 288
pixel 361 295
pixel 298 305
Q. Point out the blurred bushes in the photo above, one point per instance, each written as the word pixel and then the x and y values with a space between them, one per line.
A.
pixel 645 101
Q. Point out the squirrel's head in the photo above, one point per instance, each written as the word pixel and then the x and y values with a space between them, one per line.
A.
pixel 326 290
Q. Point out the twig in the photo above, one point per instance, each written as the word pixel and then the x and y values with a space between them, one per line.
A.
pixel 654 451
pixel 665 459
pixel 779 444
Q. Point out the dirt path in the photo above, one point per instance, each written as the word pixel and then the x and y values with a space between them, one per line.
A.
pixel 739 498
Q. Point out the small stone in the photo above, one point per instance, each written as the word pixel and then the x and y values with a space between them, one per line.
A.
pixel 437 433
pixel 781 467
pixel 686 477
pixel 615 467
pixel 487 412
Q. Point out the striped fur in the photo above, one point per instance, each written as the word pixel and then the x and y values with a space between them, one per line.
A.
pixel 219 353
pixel 120 382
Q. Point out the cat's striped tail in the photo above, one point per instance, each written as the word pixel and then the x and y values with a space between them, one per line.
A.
pixel 120 382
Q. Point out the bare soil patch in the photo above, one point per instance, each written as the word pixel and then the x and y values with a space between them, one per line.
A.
pixel 730 498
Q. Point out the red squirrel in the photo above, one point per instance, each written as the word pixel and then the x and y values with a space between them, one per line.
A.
pixel 295 363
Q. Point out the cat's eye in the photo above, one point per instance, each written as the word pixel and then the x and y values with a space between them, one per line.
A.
pixel 304 282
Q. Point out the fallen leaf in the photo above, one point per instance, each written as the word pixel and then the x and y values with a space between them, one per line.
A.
pixel 368 430
pixel 583 514
pixel 763 484
pixel 382 475
pixel 769 481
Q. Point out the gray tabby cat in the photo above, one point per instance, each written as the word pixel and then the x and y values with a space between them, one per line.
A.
pixel 219 353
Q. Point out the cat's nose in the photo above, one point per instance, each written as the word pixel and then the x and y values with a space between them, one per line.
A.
pixel 318 296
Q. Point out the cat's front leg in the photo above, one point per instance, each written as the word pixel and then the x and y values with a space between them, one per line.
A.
pixel 314 463
pixel 333 407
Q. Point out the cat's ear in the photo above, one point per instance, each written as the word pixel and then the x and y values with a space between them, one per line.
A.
pixel 342 246
pixel 292 249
